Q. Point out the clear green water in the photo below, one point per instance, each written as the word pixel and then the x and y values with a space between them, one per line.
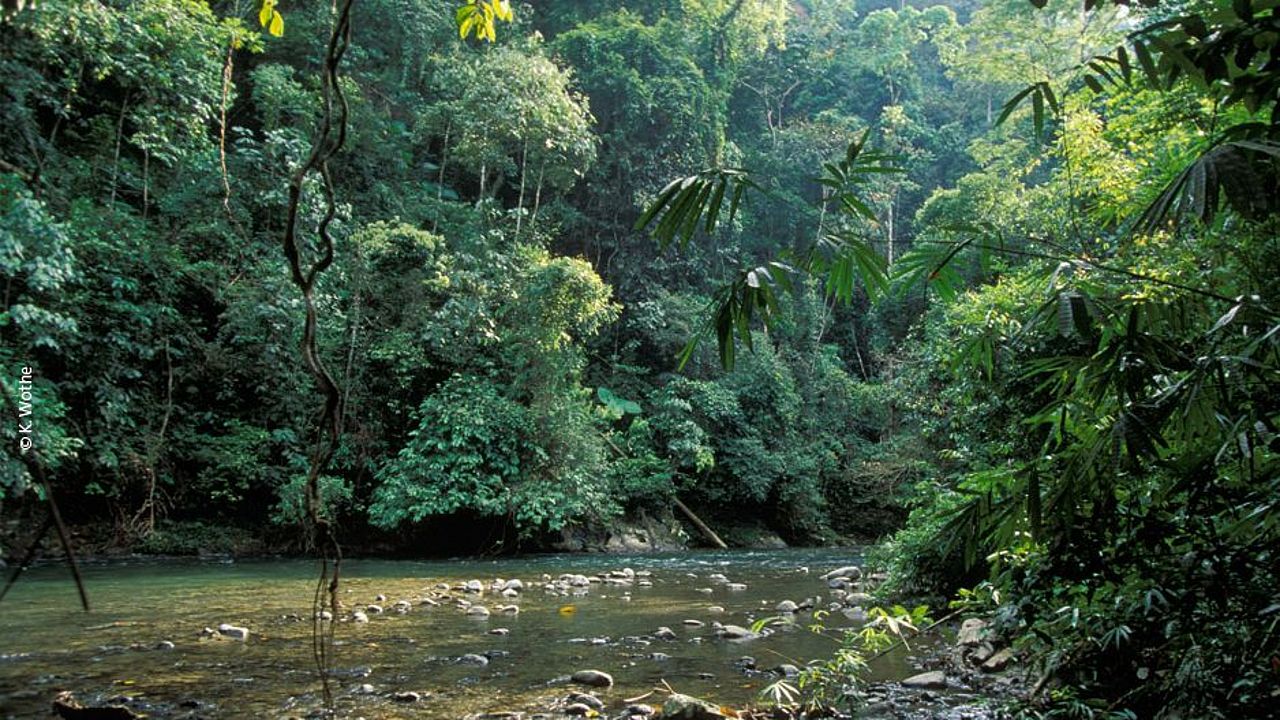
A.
pixel 47 644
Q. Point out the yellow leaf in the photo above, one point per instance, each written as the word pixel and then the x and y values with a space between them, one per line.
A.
pixel 277 25
pixel 729 712
pixel 568 610
pixel 264 15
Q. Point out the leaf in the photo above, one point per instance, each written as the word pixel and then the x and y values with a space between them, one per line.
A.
pixel 1013 103
pixel 277 25
pixel 265 14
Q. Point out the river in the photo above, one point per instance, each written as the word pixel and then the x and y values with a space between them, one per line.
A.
pixel 116 651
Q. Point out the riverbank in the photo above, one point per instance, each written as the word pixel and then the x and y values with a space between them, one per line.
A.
pixel 640 532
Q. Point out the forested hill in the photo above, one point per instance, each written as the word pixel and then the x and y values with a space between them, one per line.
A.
pixel 508 343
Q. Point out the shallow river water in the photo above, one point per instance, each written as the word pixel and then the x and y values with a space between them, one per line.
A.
pixel 47 644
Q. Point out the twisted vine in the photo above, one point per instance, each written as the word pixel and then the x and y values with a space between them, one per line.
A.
pixel 331 135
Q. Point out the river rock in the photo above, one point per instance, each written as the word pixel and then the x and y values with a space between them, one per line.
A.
pixel 365 689
pixel 474 659
pixel 694 623
pixel 981 653
pixel 787 670
pixel 999 661
pixel 717 578
pixel 935 680
pixel 715 609
pixel 402 606
pixel 787 606
pixel 587 699
pixel 736 632
pixel 473 586
pixel 164 645
pixel 859 599
pixel 513 584
pixel 592 678
pixel 639 709
pixel 704 591
pixel 736 587
pixel 686 707
pixel 971 632
pixel 509 609
pixel 664 633
pixel 500 631
pixel 478 611
pixel 66 707
pixel 233 632
pixel 659 657
pixel 407 696
pixel 850 572
pixel 373 609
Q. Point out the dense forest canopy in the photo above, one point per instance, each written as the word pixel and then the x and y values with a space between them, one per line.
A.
pixel 992 281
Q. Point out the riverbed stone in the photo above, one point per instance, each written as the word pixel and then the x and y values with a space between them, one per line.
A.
pixel 933 680
pixel 716 609
pixel 736 587
pixel 850 572
pixel 233 632
pixel 373 609
pixel 736 632
pixel 971 632
pixel 474 659
pixel 694 623
pixel 500 631
pixel 478 611
pixel 999 661
pixel 687 707
pixel 165 645
pixel 787 606
pixel 664 633
pixel 509 609
pixel 407 696
pixel 787 670
pixel 591 701
pixel 639 709
pixel 592 678
pixel 473 586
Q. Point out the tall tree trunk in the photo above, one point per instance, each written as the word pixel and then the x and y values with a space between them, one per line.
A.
pixel 524 158
pixel 890 229
pixel 115 161
pixel 444 160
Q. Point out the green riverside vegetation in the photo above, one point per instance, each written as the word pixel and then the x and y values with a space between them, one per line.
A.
pixel 993 283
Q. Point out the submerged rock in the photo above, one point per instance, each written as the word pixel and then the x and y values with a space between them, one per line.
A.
pixel 66 707
pixel 664 633
pixel 406 697
pixel 736 632
pixel 787 606
pixel 593 678
pixel 233 632
pixel 474 659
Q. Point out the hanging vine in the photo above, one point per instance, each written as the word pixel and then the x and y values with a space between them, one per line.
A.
pixel 330 136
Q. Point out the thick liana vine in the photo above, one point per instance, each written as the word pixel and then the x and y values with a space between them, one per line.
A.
pixel 330 137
